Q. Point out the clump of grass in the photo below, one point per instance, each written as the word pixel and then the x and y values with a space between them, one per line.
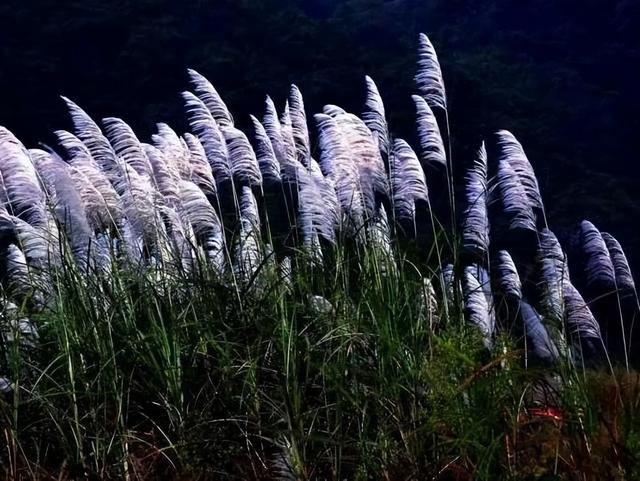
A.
pixel 164 325
pixel 343 372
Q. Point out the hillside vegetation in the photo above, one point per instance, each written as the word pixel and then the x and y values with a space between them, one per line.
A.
pixel 313 299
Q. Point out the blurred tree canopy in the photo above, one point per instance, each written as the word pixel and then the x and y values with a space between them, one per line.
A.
pixel 562 76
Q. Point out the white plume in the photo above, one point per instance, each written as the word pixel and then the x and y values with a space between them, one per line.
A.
pixel 374 116
pixel 408 183
pixel 475 228
pixel 210 97
pixel 431 146
pixel 429 77
pixel 206 129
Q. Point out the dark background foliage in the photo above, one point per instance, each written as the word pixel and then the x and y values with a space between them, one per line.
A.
pixel 562 75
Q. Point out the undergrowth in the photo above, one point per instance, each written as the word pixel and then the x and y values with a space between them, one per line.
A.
pixel 348 370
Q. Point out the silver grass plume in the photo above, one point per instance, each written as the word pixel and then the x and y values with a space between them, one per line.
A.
pixel 578 317
pixel 299 126
pixel 366 155
pixel 76 151
pixel 408 183
pixel 429 301
pixel 273 128
pixel 247 253
pixel 205 223
pixel 512 152
pixel 379 235
pixel 485 282
pixel 249 208
pixel 201 173
pixel 432 149
pixel 67 203
pixel 126 145
pixel 93 181
pixel 38 244
pixel 165 175
pixel 102 202
pixel 175 151
pixel 449 283
pixel 477 305
pixel 364 145
pixel 130 244
pixel 22 194
pixel 374 116
pixel 317 205
pixel 624 277
pixel 267 160
pixel 598 265
pixel 102 252
pixel 91 135
pixel 208 133
pixel 429 77
pixel 288 140
pixel 508 278
pixel 24 212
pixel 313 249
pixel 554 271
pixel 514 198
pixel 210 97
pixel 19 280
pixel 177 247
pixel 475 228
pixel 139 199
pixel 242 158
pixel 331 214
pixel 543 346
pixel 286 273
pixel 333 110
pixel 337 164
pixel 20 331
